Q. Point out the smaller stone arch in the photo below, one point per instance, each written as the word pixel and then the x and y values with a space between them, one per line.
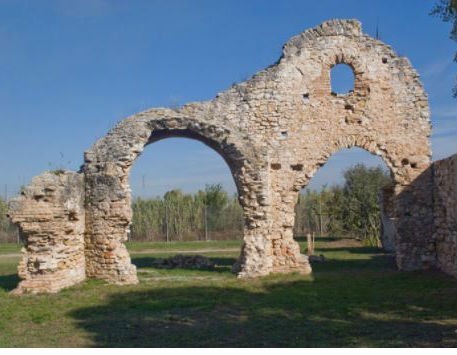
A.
pixel 342 79
pixel 343 55
pixel 405 203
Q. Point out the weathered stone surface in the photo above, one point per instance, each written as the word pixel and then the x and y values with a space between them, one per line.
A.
pixel 445 213
pixel 51 220
pixel 274 131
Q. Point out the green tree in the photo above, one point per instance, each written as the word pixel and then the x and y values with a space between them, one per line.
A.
pixel 349 210
pixel 360 210
pixel 335 208
pixel 447 11
pixel 216 200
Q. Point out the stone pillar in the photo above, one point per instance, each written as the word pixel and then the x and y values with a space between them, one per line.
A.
pixel 256 253
pixel 286 251
pixel 50 216
pixel 108 217
pixel 255 259
pixel 269 217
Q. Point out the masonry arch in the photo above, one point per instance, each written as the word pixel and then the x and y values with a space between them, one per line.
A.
pixel 108 195
pixel 285 249
pixel 365 143
pixel 342 79
pixel 405 165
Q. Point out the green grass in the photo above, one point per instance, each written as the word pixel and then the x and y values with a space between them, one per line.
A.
pixel 355 298
pixel 138 246
pixel 7 248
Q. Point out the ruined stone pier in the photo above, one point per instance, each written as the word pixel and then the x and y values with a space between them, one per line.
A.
pixel 274 131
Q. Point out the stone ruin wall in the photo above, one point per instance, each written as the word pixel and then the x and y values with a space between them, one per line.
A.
pixel 445 213
pixel 274 131
pixel 51 218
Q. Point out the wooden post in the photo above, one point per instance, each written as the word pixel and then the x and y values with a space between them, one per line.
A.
pixel 310 243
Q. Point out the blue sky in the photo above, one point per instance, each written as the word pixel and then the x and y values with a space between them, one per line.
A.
pixel 70 69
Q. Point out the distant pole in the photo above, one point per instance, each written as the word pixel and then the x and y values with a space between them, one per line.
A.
pixel 377 28
pixel 6 193
pixel 308 243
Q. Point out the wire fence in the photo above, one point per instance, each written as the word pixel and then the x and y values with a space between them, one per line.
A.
pixel 162 220
pixel 210 214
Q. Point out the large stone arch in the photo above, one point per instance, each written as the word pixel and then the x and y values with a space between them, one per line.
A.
pixel 274 130
pixel 106 170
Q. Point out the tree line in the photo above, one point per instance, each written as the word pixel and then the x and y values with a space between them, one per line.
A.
pixel 347 210
pixel 350 209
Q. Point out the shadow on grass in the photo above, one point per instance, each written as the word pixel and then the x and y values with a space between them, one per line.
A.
pixel 361 307
pixel 9 282
pixel 221 264
pixel 376 263
pixel 354 250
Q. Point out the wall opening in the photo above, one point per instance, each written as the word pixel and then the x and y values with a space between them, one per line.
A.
pixel 342 79
pixel 182 190
pixel 343 205
pixel 184 201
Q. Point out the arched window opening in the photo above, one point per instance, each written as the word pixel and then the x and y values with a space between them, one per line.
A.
pixel 182 190
pixel 342 79
pixel 346 204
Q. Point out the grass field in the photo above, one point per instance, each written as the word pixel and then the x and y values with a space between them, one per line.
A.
pixel 355 298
